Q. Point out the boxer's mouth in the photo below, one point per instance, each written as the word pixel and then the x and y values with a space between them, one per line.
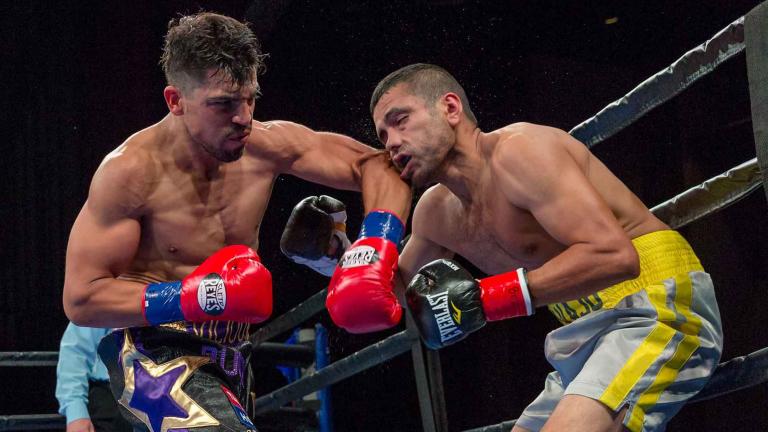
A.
pixel 401 161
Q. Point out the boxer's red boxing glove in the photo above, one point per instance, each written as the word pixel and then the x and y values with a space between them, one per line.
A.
pixel 231 285
pixel 360 296
pixel 506 295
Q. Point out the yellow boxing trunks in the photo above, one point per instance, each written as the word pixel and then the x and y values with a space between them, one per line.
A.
pixel 648 344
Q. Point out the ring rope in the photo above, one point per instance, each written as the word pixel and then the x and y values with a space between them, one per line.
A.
pixel 662 86
pixel 270 353
pixel 32 422
pixel 736 374
pixel 367 357
pixel 289 320
pixel 710 196
pixel 501 427
pixel 757 74
pixel 28 358
pixel 286 418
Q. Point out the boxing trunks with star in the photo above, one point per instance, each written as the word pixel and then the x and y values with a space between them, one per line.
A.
pixel 165 379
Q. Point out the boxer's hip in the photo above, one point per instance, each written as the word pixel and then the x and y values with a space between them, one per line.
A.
pixel 663 255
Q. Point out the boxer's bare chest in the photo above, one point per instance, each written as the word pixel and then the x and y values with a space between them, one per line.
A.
pixel 188 219
pixel 496 236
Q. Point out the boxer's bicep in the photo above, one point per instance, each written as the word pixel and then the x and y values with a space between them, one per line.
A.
pixel 320 157
pixel 419 248
pixel 100 248
pixel 102 244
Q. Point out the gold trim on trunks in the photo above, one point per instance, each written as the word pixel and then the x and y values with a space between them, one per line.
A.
pixel 196 415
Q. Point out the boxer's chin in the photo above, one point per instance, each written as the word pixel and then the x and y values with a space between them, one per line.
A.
pixel 420 177
pixel 230 152
pixel 231 155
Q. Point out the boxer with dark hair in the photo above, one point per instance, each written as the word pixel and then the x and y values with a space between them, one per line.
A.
pixel 533 207
pixel 165 245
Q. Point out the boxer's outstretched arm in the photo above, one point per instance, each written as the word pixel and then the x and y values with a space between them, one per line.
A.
pixel 333 160
pixel 102 244
pixel 320 157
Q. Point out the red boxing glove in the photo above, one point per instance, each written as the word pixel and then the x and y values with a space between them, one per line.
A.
pixel 231 285
pixel 506 295
pixel 360 296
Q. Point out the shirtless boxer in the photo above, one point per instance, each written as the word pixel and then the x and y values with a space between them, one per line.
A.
pixel 165 244
pixel 533 207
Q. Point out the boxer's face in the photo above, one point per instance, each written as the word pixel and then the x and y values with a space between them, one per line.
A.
pixel 416 136
pixel 218 116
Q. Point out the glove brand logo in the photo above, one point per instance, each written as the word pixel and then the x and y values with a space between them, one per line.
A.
pixel 457 314
pixel 445 322
pixel 451 265
pixel 359 256
pixel 211 294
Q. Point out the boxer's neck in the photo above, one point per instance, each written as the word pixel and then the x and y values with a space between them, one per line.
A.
pixel 188 154
pixel 463 163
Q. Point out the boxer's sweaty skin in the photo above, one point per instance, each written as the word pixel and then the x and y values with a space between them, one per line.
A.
pixel 160 203
pixel 521 196
pixel 524 195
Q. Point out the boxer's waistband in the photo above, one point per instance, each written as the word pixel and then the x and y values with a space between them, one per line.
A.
pixel 229 333
pixel 663 255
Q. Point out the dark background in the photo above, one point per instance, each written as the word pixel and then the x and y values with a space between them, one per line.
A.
pixel 80 77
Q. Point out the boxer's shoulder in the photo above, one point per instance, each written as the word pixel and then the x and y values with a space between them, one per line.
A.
pixel 435 210
pixel 275 131
pixel 526 130
pixel 125 176
pixel 437 197
pixel 518 138
pixel 137 155
pixel 276 139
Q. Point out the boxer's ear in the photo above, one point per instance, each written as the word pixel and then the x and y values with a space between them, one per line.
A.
pixel 172 95
pixel 452 107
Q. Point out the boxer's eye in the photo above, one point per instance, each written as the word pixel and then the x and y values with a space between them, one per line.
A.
pixel 226 104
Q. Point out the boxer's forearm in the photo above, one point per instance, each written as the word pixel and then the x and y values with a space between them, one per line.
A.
pixel 105 302
pixel 382 187
pixel 582 270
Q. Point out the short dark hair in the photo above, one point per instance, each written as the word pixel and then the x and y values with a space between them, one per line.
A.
pixel 426 81
pixel 194 44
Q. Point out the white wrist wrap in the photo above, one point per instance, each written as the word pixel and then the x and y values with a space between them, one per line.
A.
pixel 524 289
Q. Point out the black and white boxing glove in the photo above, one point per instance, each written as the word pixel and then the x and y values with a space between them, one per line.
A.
pixel 448 304
pixel 444 300
pixel 315 234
